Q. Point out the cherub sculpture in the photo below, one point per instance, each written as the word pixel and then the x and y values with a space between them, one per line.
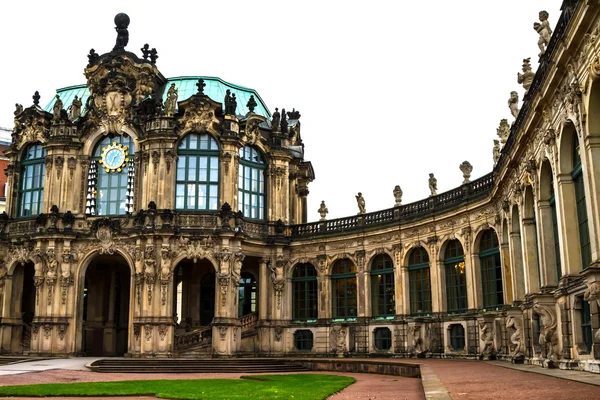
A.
pixel 543 28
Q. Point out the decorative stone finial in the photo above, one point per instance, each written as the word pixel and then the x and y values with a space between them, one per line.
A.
pixel 153 56
pixel 171 101
pixel 293 114
pixel 276 120
pixel 323 211
pixel 201 86
pixel 36 98
pixel 496 151
pixel 121 22
pixel 251 104
pixel 513 104
pixel 361 203
pixel 466 168
pixel 543 28
pixel 432 185
pixel 75 109
pixel 398 196
pixel 503 131
pixel 145 51
pixel 526 78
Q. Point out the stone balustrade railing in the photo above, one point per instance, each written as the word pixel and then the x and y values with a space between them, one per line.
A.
pixel 193 338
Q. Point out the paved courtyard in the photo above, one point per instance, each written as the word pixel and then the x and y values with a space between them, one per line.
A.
pixel 442 379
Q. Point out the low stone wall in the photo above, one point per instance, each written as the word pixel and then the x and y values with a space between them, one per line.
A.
pixel 365 366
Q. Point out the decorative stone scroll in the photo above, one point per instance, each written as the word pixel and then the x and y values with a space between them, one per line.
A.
pixel 548 338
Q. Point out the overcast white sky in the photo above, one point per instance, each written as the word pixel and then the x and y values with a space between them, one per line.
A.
pixel 389 91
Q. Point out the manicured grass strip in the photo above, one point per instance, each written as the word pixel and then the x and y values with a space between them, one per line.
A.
pixel 294 386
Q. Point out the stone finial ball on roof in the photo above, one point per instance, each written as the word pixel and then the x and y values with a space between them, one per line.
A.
pixel 122 20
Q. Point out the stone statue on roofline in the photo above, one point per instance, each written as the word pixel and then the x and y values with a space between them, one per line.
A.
pixel 361 203
pixel 75 109
pixel 57 108
pixel 432 185
pixel 526 78
pixel 543 28
pixel 496 151
pixel 121 22
pixel 466 168
pixel 230 103
pixel 503 131
pixel 171 101
pixel 397 196
pixel 276 120
pixel 513 104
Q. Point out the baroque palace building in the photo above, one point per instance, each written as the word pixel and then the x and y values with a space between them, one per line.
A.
pixel 122 234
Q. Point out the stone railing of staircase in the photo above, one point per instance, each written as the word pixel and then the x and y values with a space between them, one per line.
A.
pixel 195 338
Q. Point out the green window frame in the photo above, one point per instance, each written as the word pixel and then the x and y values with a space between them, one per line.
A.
pixel 197 181
pixel 457 337
pixel 581 205
pixel 31 187
pixel 383 339
pixel 555 233
pixel 456 277
pixel 251 183
pixel 303 340
pixel 382 286
pixel 420 282
pixel 112 187
pixel 491 270
pixel 343 282
pixel 586 325
pixel 247 294
pixel 304 293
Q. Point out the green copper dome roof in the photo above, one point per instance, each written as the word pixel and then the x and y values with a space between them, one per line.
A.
pixel 186 85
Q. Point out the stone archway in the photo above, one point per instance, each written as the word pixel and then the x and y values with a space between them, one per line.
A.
pixel 21 309
pixel 106 300
pixel 194 294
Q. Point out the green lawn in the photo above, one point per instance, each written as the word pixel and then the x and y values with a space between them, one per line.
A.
pixel 297 387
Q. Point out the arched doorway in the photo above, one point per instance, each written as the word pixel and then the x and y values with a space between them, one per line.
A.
pixel 194 302
pixel 22 307
pixel 106 299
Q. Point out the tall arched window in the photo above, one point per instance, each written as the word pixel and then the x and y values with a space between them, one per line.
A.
pixel 197 186
pixel 456 278
pixel 420 281
pixel 304 292
pixel 555 232
pixel 382 286
pixel 491 270
pixel 110 190
pixel 582 218
pixel 247 294
pixel 343 282
pixel 31 187
pixel 251 184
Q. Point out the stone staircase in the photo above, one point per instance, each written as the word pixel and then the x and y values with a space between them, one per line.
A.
pixel 187 365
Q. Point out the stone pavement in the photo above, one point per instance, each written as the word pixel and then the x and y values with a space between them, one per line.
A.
pixel 441 379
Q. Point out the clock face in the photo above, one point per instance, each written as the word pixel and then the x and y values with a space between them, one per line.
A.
pixel 114 157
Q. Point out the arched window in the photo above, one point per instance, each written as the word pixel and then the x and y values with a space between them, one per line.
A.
pixel 111 177
pixel 247 294
pixel 31 187
pixel 420 281
pixel 555 232
pixel 456 278
pixel 197 186
pixel 304 292
pixel 251 184
pixel 343 282
pixel 382 286
pixel 582 218
pixel 491 270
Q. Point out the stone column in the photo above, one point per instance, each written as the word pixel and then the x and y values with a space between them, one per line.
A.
pixel 530 255
pixel 473 271
pixel 590 158
pixel 263 291
pixel 516 261
pixel 568 225
pixel 548 270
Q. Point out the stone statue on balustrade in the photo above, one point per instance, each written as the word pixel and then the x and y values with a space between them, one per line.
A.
pixel 323 211
pixel 496 151
pixel 513 104
pixel 543 28
pixel 526 78
pixel 432 185
pixel 75 109
pixel 57 108
pixel 361 203
pixel 171 101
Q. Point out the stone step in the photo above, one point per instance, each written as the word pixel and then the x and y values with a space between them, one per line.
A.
pixel 190 365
